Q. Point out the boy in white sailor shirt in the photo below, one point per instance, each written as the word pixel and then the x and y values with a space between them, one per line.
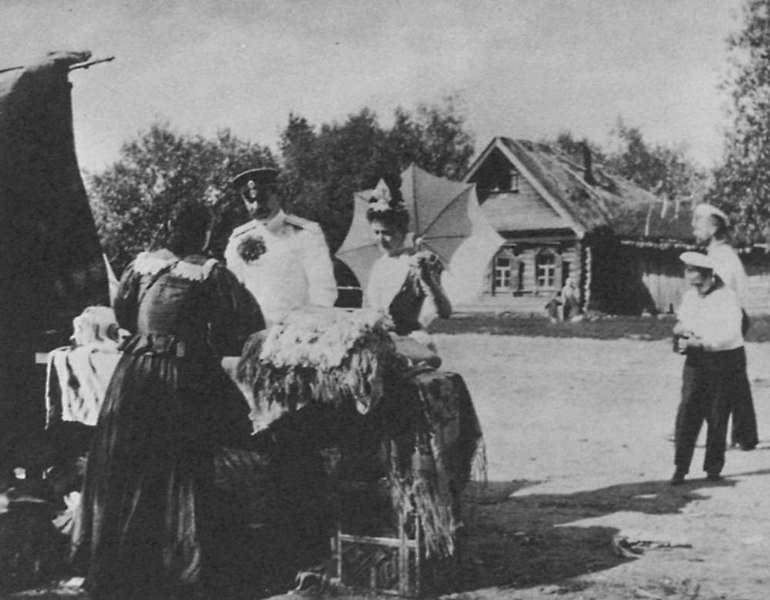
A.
pixel 282 259
pixel 708 332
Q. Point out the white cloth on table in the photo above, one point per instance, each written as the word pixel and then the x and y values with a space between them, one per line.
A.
pixel 76 382
pixel 96 326
pixel 78 375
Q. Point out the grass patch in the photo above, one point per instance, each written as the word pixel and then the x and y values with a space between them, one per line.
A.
pixel 601 327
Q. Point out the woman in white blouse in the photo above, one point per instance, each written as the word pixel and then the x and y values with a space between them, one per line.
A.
pixel 404 283
pixel 708 332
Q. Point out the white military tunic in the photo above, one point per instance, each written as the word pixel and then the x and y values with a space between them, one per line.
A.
pixel 295 270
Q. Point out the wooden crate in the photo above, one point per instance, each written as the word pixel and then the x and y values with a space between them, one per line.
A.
pixel 391 565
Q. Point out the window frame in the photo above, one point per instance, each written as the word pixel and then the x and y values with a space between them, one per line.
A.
pixel 502 273
pixel 545 271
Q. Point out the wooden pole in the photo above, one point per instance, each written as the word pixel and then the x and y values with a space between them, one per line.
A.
pixel 86 65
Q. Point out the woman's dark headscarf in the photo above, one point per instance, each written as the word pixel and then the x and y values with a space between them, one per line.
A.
pixel 188 228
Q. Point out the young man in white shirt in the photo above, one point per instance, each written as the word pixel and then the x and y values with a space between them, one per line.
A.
pixel 708 332
pixel 709 226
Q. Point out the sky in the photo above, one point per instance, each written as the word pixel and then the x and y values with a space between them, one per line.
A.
pixel 524 68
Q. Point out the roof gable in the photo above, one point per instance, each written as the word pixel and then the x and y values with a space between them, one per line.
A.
pixel 605 202
pixel 533 176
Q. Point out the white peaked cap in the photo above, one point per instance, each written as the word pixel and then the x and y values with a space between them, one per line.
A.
pixel 697 259
pixel 709 210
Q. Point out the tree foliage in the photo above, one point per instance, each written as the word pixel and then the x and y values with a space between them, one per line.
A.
pixel 665 171
pixel 324 166
pixel 574 148
pixel 133 198
pixel 742 181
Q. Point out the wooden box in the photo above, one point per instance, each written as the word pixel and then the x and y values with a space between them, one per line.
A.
pixel 391 565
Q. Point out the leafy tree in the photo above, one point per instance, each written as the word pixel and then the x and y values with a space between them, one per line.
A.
pixel 323 167
pixel 132 199
pixel 574 148
pixel 434 137
pixel 742 181
pixel 662 170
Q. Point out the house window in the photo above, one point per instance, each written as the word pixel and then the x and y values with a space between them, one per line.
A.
pixel 506 181
pixel 502 279
pixel 513 183
pixel 546 270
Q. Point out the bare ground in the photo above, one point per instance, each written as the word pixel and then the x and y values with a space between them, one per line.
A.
pixel 578 505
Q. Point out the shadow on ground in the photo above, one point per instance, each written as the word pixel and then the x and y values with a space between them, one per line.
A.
pixel 512 541
pixel 527 540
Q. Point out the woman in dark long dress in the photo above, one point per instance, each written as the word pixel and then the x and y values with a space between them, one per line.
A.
pixel 145 521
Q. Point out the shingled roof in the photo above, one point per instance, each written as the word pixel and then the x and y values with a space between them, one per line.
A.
pixel 660 224
pixel 607 201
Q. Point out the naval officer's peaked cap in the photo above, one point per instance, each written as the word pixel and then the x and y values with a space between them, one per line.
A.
pixel 262 176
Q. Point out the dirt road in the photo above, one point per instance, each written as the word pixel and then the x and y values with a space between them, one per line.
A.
pixel 579 459
pixel 579 505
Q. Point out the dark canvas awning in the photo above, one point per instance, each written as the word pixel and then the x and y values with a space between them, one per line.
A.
pixel 51 263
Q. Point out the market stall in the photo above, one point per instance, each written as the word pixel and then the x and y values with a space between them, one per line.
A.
pixel 400 439
pixel 353 442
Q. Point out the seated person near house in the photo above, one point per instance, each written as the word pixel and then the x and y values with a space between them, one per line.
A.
pixel 553 308
pixel 404 282
pixel 570 300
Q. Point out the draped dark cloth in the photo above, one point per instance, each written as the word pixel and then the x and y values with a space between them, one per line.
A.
pixel 407 304
pixel 51 264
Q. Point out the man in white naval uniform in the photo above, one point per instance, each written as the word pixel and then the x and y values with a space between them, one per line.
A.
pixel 709 226
pixel 282 259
